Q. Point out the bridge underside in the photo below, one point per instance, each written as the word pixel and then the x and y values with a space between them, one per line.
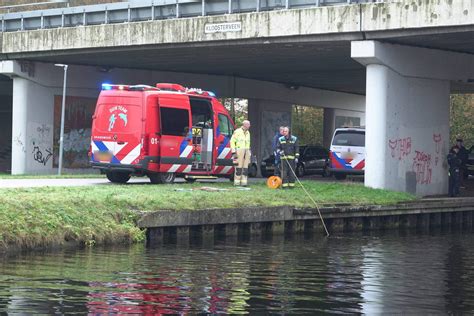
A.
pixel 401 78
pixel 321 62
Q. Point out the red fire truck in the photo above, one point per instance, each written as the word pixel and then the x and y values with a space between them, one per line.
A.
pixel 160 132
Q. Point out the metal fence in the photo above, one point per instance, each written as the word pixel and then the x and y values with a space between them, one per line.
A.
pixel 146 10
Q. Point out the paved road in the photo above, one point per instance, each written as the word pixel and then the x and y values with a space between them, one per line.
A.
pixel 31 183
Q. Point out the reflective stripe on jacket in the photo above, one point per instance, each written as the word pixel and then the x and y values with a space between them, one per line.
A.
pixel 289 146
pixel 240 139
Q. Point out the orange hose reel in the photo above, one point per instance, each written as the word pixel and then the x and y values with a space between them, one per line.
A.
pixel 274 182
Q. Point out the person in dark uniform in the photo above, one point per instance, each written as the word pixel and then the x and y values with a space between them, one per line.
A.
pixel 289 153
pixel 275 150
pixel 463 154
pixel 454 163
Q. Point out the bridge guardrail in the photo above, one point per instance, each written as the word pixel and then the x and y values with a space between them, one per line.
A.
pixel 135 11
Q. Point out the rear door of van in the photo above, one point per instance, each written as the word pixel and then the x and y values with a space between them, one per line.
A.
pixel 117 128
pixel 224 130
pixel 176 148
pixel 348 150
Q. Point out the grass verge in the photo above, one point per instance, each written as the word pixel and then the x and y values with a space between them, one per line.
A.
pixel 108 213
pixel 52 176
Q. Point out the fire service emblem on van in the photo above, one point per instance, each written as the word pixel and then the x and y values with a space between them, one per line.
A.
pixel 117 112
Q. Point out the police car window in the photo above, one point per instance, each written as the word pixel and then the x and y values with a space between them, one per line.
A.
pixel 320 151
pixel 224 125
pixel 302 150
pixel 311 152
pixel 174 122
pixel 349 138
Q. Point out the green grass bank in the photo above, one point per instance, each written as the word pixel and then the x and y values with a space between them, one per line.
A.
pixel 102 214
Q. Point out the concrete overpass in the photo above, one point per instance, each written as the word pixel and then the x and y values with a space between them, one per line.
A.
pixel 402 57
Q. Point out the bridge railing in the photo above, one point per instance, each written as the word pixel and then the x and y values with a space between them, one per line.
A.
pixel 140 10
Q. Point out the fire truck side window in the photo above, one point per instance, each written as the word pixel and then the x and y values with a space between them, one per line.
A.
pixel 174 121
pixel 224 125
pixel 201 112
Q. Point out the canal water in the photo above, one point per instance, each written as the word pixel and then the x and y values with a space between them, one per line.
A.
pixel 360 273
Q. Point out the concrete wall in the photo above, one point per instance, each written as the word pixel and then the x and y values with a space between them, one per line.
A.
pixel 37 86
pixel 407 132
pixel 345 22
pixel 34 90
pixel 191 30
pixel 407 115
pixel 6 129
pixel 334 118
pixel 32 144
pixel 266 117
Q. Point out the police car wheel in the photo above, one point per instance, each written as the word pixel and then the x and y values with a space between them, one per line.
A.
pixel 118 177
pixel 326 173
pixel 253 170
pixel 300 170
pixel 340 176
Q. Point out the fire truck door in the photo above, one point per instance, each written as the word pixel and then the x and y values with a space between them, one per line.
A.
pixel 206 149
pixel 203 134
pixel 175 140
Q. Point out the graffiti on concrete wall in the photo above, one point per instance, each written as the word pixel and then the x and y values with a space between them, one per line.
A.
pixel 40 144
pixel 17 141
pixel 425 159
pixel 77 130
pixel 400 148
pixel 422 167
pixel 41 157
pixel 437 139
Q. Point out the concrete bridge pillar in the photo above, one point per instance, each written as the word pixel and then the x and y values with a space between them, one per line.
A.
pixel 266 116
pixel 407 115
pixel 32 127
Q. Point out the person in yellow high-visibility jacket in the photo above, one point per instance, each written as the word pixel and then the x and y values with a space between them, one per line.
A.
pixel 240 146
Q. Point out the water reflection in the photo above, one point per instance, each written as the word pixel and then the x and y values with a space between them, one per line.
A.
pixel 372 274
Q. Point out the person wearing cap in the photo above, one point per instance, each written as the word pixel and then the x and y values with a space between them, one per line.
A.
pixel 463 154
pixel 454 163
pixel 289 153
pixel 275 150
pixel 240 146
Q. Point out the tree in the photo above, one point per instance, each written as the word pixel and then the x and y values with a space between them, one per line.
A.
pixel 462 118
pixel 238 109
pixel 307 124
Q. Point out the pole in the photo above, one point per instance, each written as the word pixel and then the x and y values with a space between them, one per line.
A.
pixel 61 137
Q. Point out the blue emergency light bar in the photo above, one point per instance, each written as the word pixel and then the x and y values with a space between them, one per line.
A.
pixel 108 86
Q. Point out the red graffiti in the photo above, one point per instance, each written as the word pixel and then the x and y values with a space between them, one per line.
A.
pixel 401 147
pixel 422 167
pixel 437 139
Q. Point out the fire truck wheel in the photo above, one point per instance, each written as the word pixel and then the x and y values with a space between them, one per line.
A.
pixel 118 177
pixel 161 177
pixel 190 180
